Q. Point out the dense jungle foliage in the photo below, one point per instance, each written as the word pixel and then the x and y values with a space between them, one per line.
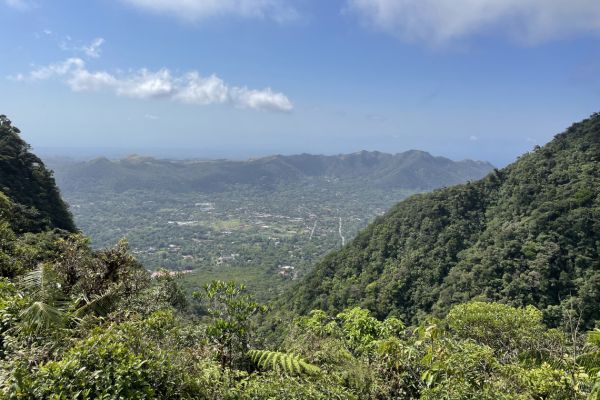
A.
pixel 528 234
pixel 24 178
pixel 78 323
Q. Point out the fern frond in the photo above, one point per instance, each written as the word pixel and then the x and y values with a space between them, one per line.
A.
pixel 591 359
pixel 288 363
pixel 292 366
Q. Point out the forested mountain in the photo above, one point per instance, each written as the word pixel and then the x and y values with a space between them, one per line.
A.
pixel 79 323
pixel 29 185
pixel 528 234
pixel 413 170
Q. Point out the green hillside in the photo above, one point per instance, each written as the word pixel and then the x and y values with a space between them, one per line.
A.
pixel 526 234
pixel 29 185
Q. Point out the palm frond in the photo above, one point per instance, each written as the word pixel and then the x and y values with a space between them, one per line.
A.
pixel 99 305
pixel 41 284
pixel 40 316
pixel 33 280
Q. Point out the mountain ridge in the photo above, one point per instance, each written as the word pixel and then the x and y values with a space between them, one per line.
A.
pixel 526 234
pixel 412 170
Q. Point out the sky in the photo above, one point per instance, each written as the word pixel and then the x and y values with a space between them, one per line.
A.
pixel 478 79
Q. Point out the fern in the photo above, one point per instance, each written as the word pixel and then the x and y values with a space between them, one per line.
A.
pixel 288 363
pixel 591 359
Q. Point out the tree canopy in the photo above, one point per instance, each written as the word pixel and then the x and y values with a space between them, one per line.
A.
pixel 24 179
pixel 527 234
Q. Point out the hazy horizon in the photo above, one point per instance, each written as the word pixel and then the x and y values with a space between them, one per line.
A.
pixel 466 80
pixel 86 154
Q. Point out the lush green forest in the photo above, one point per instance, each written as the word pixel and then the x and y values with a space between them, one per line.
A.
pixel 25 179
pixel 82 323
pixel 528 234
pixel 265 222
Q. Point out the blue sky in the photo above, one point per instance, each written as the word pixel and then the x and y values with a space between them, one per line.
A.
pixel 484 79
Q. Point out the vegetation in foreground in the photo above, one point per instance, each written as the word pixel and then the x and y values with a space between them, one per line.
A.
pixel 93 325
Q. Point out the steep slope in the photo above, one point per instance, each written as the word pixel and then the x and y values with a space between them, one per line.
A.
pixel 414 170
pixel 527 234
pixel 29 185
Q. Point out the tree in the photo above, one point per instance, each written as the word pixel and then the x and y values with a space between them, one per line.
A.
pixel 231 326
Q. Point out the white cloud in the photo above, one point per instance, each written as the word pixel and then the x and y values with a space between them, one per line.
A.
pixel 54 70
pixel 193 10
pixel 190 88
pixel 202 91
pixel 93 49
pixel 82 80
pixel 147 85
pixel 440 21
pixel 473 138
pixel 261 99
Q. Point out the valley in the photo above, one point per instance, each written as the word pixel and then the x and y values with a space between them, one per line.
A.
pixel 265 239
pixel 263 223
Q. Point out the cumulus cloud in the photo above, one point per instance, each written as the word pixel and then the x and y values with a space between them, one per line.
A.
pixel 440 21
pixel 261 99
pixel 190 88
pixel 193 10
pixel 147 85
pixel 82 80
pixel 202 91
